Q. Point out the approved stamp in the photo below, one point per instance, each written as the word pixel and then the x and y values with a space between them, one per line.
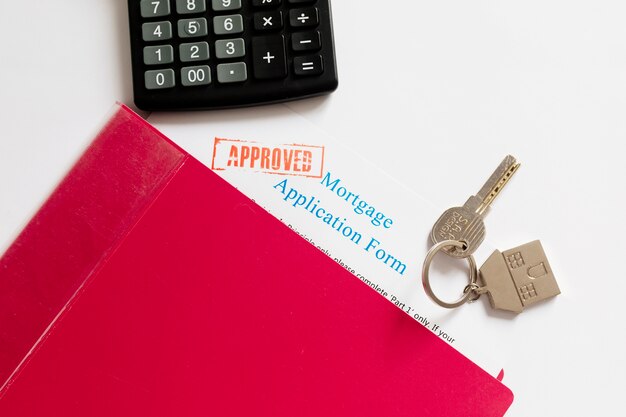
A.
pixel 295 159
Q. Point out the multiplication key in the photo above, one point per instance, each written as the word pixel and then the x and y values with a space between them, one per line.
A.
pixel 465 224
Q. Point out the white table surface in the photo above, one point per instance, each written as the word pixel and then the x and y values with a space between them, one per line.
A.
pixel 435 93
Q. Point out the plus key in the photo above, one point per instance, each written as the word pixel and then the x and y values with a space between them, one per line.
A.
pixel 268 55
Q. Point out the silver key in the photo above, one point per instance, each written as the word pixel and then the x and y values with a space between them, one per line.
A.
pixel 517 278
pixel 465 224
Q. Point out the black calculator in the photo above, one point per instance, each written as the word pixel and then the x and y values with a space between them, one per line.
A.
pixel 205 54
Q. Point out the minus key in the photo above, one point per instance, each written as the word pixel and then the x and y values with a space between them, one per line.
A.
pixel 306 41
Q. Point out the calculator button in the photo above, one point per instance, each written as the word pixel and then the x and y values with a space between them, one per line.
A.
pixel 156 31
pixel 230 48
pixel 268 56
pixel 228 25
pixel 191 28
pixel 306 41
pixel 268 21
pixel 222 5
pixel 193 76
pixel 266 3
pixel 155 55
pixel 190 6
pixel 304 18
pixel 197 51
pixel 300 1
pixel 154 8
pixel 158 79
pixel 308 65
pixel 232 73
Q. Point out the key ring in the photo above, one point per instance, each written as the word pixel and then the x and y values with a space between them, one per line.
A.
pixel 470 292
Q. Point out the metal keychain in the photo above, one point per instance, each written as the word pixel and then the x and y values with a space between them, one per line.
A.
pixel 513 279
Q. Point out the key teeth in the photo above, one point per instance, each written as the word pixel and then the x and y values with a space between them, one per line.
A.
pixel 496 182
pixel 465 224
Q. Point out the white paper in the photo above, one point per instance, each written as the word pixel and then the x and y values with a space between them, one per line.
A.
pixel 346 206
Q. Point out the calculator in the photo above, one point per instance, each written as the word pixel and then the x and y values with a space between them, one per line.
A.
pixel 207 54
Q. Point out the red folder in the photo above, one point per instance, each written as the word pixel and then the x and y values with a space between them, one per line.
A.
pixel 148 286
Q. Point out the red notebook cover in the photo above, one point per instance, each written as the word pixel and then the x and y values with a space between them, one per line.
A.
pixel 148 286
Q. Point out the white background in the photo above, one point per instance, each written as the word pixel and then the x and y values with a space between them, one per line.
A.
pixel 435 93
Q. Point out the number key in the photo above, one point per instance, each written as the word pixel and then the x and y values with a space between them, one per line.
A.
pixel 223 5
pixel 230 48
pixel 155 55
pixel 226 25
pixel 191 28
pixel 190 6
pixel 158 79
pixel 156 31
pixel 192 76
pixel 197 51
pixel 154 8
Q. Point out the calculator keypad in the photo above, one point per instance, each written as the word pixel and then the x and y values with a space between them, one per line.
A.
pixel 197 51
pixel 232 73
pixel 190 6
pixel 158 79
pixel 154 8
pixel 306 41
pixel 304 18
pixel 156 31
pixel 308 65
pixel 268 21
pixel 199 75
pixel 226 5
pixel 269 57
pixel 155 55
pixel 230 48
pixel 228 25
pixel 266 4
pixel 227 53
pixel 192 28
